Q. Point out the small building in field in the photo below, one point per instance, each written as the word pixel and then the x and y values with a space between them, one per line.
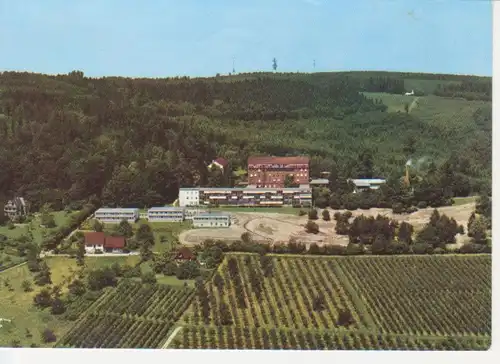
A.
pixel 114 244
pixel 166 213
pixel 94 242
pixel 116 215
pixel 184 254
pixel 212 220
pixel 365 184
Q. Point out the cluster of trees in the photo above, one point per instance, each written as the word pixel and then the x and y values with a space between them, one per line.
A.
pixel 64 139
pixel 477 90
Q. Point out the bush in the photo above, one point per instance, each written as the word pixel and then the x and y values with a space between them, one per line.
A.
pixel 302 213
pixel 326 215
pixel 422 205
pixel 149 278
pixel 398 208
pixel 312 227
pixel 313 214
pixel 48 336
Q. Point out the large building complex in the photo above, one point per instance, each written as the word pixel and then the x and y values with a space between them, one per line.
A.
pixel 166 213
pixel 115 215
pixel 270 172
pixel 250 197
pixel 211 219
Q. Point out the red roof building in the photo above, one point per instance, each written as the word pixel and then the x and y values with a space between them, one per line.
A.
pixel 270 172
pixel 114 242
pixel 219 162
pixel 95 238
pixel 185 253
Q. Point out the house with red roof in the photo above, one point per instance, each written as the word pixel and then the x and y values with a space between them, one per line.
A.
pixel 219 163
pixel 98 241
pixel 94 241
pixel 184 254
pixel 114 244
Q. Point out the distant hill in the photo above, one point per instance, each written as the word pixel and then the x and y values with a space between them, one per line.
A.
pixel 135 141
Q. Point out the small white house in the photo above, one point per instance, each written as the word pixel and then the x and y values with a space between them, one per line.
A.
pixel 363 184
pixel 94 241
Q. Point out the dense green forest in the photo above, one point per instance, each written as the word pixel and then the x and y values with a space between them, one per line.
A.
pixel 132 142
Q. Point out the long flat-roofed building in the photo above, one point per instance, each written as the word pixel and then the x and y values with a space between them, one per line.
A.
pixel 246 196
pixel 270 172
pixel 166 213
pixel 115 215
pixel 211 220
pixel 364 184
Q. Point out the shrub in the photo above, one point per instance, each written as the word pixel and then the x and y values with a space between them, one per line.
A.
pixel 313 214
pixel 302 212
pixel 48 336
pixel 326 215
pixel 312 227
pixel 398 208
pixel 422 205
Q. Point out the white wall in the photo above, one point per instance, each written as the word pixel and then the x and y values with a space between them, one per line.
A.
pixel 189 198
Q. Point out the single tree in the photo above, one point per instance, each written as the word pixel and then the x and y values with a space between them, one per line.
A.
pixel 275 64
pixel 97 226
pixel 26 285
pixel 312 227
pixel 125 229
pixel 313 214
pixel 326 215
pixel 48 336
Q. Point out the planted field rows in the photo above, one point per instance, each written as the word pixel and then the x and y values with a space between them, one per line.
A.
pixel 407 302
pixel 131 316
pixel 273 339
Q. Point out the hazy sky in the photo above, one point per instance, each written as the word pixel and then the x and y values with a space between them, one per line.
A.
pixel 158 38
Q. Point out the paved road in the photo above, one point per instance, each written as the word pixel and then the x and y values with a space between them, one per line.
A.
pixel 171 337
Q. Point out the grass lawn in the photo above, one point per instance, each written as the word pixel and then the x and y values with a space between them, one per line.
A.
pixel 17 305
pixel 394 102
pixel 457 201
pixel 162 279
pixel 167 231
pixel 61 218
pixel 279 210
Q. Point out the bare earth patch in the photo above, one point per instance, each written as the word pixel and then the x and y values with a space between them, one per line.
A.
pixel 275 227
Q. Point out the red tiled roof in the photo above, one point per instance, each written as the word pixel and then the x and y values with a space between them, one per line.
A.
pixel 115 242
pixel 95 238
pixel 184 253
pixel 221 161
pixel 278 160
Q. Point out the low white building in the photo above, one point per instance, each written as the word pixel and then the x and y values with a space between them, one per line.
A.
pixel 115 215
pixel 212 220
pixel 189 197
pixel 363 184
pixel 191 212
pixel 166 213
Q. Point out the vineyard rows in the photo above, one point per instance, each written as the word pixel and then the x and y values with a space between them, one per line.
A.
pixel 258 338
pixel 131 316
pixel 407 302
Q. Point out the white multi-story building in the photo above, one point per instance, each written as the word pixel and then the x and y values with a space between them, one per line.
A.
pixel 212 220
pixel 115 215
pixel 166 213
pixel 189 197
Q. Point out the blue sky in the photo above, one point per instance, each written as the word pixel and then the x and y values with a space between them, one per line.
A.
pixel 160 38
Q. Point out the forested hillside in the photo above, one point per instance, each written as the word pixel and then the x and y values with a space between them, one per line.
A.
pixel 127 142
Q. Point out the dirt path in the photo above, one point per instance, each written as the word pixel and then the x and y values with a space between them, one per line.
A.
pixel 171 337
pixel 413 104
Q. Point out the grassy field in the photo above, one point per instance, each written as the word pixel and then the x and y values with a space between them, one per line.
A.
pixel 395 103
pixel 166 233
pixel 61 218
pixel 404 302
pixel 457 201
pixel 168 280
pixel 17 305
